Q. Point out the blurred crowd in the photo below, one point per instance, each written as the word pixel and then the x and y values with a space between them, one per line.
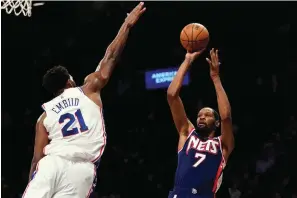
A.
pixel 272 173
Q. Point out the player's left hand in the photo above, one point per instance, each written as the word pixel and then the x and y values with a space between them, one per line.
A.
pixel 214 63
pixel 134 15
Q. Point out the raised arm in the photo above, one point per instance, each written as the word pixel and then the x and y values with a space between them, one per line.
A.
pixel 97 80
pixel 227 137
pixel 181 121
pixel 41 140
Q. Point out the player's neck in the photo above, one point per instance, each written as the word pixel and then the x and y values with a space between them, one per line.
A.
pixel 212 134
pixel 62 90
pixel 206 134
pixel 59 92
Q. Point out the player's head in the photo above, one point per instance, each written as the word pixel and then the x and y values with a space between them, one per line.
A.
pixel 207 121
pixel 57 79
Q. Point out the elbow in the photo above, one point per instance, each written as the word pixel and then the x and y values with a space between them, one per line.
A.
pixel 37 157
pixel 35 160
pixel 173 89
pixel 106 67
pixel 109 55
pixel 171 94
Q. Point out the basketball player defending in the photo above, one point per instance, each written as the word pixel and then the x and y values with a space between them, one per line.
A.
pixel 70 135
pixel 201 156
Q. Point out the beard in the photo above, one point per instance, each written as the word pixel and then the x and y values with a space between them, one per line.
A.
pixel 205 131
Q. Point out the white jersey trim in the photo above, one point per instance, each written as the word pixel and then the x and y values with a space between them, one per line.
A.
pixel 103 128
pixel 104 138
pixel 219 138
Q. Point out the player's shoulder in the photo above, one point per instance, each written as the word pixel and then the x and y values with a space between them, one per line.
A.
pixel 41 117
pixel 40 120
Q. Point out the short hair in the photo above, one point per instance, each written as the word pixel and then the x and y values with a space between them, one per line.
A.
pixel 55 79
pixel 216 115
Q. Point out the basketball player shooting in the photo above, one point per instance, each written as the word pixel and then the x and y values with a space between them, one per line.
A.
pixel 70 134
pixel 201 156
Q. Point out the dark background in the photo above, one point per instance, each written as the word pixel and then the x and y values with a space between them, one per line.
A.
pixel 257 48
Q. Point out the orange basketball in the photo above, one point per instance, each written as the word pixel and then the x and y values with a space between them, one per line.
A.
pixel 194 37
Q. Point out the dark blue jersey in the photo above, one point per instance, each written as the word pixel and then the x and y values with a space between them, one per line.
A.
pixel 200 164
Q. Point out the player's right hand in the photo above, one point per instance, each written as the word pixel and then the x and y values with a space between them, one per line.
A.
pixel 134 15
pixel 191 56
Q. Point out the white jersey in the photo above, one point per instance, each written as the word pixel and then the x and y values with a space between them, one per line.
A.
pixel 75 125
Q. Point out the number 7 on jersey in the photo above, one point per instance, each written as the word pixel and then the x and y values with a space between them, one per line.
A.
pixel 200 157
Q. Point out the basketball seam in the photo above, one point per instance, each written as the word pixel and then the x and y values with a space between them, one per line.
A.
pixel 199 33
pixel 187 37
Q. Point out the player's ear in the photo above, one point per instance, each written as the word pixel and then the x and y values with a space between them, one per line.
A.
pixel 217 123
pixel 69 83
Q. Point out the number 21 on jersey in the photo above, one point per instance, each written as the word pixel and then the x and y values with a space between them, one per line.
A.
pixel 71 118
pixel 200 158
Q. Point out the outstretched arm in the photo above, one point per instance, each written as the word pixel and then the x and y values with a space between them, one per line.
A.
pixel 41 140
pixel 175 103
pixel 227 137
pixel 181 121
pixel 97 80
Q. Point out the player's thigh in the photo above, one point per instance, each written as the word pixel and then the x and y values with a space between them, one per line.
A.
pixel 78 181
pixel 83 177
pixel 43 182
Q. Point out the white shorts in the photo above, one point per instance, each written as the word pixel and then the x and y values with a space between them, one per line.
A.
pixel 56 177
